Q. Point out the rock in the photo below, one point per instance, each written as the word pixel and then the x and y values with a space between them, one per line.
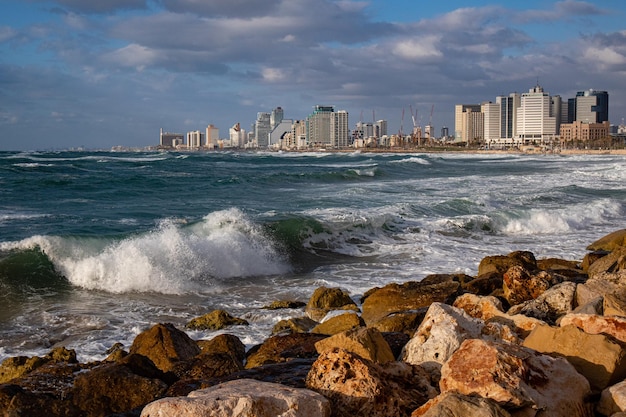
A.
pixel 609 242
pixel 601 285
pixel 338 324
pixel 282 304
pixel 591 257
pixel 612 263
pixel 294 325
pixel 520 285
pixel 326 299
pixel 15 401
pixel 365 342
pixel 215 320
pixel 164 345
pixel 15 367
pixel 242 398
pixel 410 296
pixel 550 305
pixel 280 348
pixel 613 399
pixel 489 309
pixel 441 278
pixel 614 326
pixel 454 404
pixel 406 322
pixel 600 358
pixel 117 388
pixel 517 378
pixel 396 341
pixel 358 387
pixel 593 306
pixel 614 304
pixel 484 284
pixel 224 343
pixel 207 365
pixel 500 263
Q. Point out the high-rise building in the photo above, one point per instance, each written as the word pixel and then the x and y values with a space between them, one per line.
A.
pixel 339 130
pixel 237 136
pixel 276 117
pixel 380 128
pixel 491 121
pixel 508 114
pixel 325 127
pixel 212 136
pixel 535 121
pixel 262 129
pixel 468 123
pixel 592 106
pixel 276 135
pixel 194 139
pixel 170 140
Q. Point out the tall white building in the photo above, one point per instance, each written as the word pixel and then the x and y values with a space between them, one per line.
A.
pixel 325 127
pixel 237 136
pixel 535 120
pixel 194 139
pixel 508 114
pixel 339 129
pixel 468 123
pixel 380 128
pixel 276 117
pixel 262 129
pixel 276 135
pixel 491 121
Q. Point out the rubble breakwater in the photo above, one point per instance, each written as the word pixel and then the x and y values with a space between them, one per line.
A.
pixel 523 337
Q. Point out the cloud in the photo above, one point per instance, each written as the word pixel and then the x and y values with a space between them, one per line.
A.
pixel 239 9
pixel 101 6
pixel 561 10
pixel 7 33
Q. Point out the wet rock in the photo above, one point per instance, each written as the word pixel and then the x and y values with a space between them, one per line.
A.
pixel 410 296
pixel 224 343
pixel 600 358
pixel 338 324
pixel 454 404
pixel 365 342
pixel 326 299
pixel 517 378
pixel 283 304
pixel 441 278
pixel 243 398
pixel 502 263
pixel 609 242
pixel 215 320
pixel 294 325
pixel 207 365
pixel 118 387
pixel 164 345
pixel 550 305
pixel 614 326
pixel 15 367
pixel 485 284
pixel 406 322
pixel 358 387
pixel 280 348
pixel 15 401
pixel 612 400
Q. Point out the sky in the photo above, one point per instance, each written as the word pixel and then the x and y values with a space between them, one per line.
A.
pixel 97 74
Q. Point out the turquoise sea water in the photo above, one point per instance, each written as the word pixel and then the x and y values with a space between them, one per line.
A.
pixel 97 246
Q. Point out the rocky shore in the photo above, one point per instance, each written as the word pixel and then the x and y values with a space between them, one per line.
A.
pixel 524 337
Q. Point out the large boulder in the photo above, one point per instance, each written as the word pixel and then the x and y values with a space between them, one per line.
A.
pixel 325 300
pixel 521 285
pixel 550 305
pixel 215 320
pixel 405 322
pixel 242 398
pixel 613 399
pixel 609 242
pixel 501 263
pixel 600 285
pixel 118 387
pixel 339 323
pixel 366 342
pixel 410 296
pixel 600 358
pixel 612 263
pixel 358 387
pixel 294 325
pixel 224 343
pixel 165 345
pixel 207 365
pixel 15 367
pixel 525 382
pixel 454 404
pixel 281 348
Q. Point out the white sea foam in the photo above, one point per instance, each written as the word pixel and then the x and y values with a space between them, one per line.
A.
pixel 413 160
pixel 171 259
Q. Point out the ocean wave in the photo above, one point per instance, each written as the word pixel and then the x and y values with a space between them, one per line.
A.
pixel 413 160
pixel 174 258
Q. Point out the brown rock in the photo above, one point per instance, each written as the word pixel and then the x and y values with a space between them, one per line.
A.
pixel 15 401
pixel 590 258
pixel 283 304
pixel 117 388
pixel 517 378
pixel 601 285
pixel 164 345
pixel 406 322
pixel 365 342
pixel 613 400
pixel 520 285
pixel 600 358
pixel 454 404
pixel 215 320
pixel 614 304
pixel 243 398
pixel 15 367
pixel 294 325
pixel 358 387
pixel 612 263
pixel 326 299
pixel 501 263
pixel 609 242
pixel 550 305
pixel 207 365
pixel 224 343
pixel 484 284
pixel 281 348
pixel 410 296
pixel 441 278
pixel 338 324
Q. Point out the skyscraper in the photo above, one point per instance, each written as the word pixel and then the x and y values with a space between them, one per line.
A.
pixel 535 121
pixel 262 129
pixel 508 114
pixel 592 106
pixel 468 122
pixel 276 117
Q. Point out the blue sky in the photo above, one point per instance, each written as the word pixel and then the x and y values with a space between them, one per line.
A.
pixel 104 73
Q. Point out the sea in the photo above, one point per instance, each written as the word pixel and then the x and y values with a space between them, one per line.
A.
pixel 98 246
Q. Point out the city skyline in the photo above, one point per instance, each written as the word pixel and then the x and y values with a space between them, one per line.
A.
pixel 103 74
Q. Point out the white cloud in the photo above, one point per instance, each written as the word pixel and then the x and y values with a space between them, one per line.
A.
pixel 423 48
pixel 273 74
pixel 133 55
